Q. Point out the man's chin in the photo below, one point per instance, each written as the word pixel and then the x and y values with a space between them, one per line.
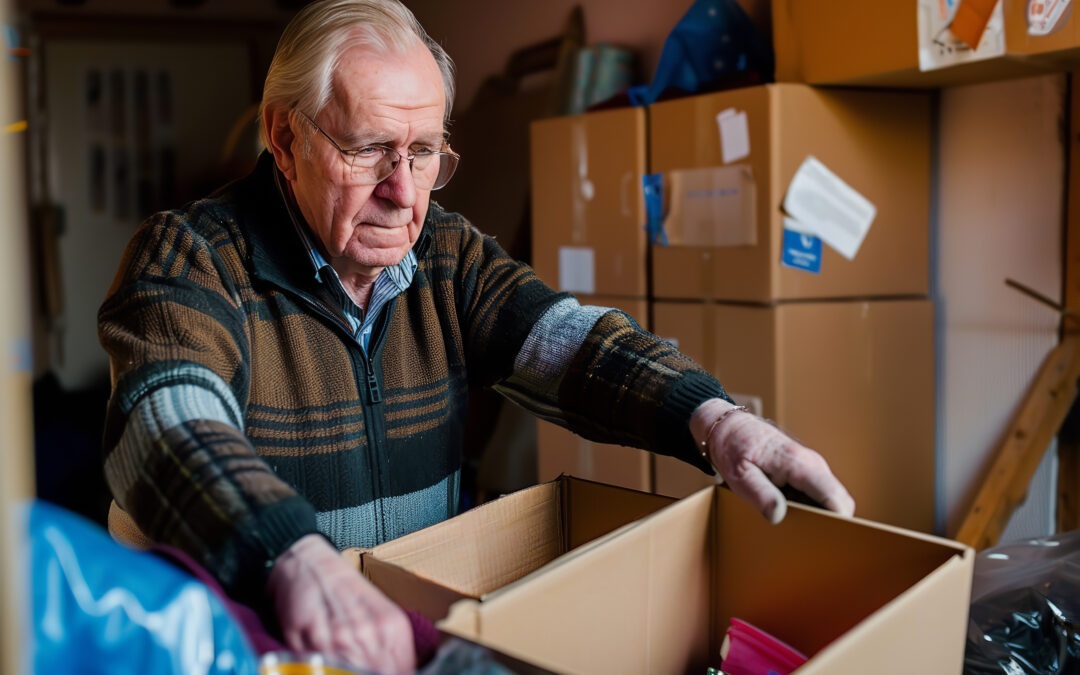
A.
pixel 377 257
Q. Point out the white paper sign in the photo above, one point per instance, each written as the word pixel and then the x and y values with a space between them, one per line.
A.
pixel 577 269
pixel 939 48
pixel 734 135
pixel 1044 15
pixel 822 204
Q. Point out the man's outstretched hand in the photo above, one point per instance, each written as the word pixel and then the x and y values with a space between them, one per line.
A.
pixel 325 605
pixel 756 459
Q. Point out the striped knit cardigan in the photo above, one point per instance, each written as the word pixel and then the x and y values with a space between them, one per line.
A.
pixel 243 416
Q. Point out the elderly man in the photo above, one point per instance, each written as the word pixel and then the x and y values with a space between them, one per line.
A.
pixel 290 357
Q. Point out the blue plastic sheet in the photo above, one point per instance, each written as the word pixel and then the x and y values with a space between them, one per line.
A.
pixel 98 607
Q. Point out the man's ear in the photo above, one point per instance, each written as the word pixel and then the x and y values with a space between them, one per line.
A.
pixel 280 133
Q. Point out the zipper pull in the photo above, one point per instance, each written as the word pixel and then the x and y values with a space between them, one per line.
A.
pixel 374 394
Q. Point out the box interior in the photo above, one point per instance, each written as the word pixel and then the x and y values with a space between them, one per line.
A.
pixel 657 597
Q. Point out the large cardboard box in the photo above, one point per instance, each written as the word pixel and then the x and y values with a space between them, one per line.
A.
pixel 587 202
pixel 877 44
pixel 852 380
pixel 876 142
pixel 494 544
pixel 560 451
pixel 658 596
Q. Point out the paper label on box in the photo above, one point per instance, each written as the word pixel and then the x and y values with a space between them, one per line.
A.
pixel 827 207
pixel 939 47
pixel 577 269
pixel 801 251
pixel 1046 16
pixel 734 135
pixel 713 206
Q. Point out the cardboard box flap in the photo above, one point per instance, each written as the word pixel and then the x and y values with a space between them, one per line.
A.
pixel 593 509
pixel 635 624
pixel 931 640
pixel 488 547
pixel 879 563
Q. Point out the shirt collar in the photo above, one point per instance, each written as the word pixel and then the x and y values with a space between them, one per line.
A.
pixel 401 275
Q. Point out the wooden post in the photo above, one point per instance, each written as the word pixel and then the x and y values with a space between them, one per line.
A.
pixel 16 460
pixel 1068 501
pixel 1041 416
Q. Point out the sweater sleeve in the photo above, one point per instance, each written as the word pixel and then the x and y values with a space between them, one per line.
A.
pixel 176 456
pixel 593 370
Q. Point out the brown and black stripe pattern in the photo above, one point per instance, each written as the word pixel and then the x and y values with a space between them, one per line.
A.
pixel 242 414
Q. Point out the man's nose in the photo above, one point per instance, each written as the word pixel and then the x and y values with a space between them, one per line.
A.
pixel 399 187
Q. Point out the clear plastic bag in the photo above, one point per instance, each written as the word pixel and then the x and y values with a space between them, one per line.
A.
pixel 97 607
pixel 1025 608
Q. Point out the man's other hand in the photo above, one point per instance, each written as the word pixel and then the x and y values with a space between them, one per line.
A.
pixel 324 605
pixel 755 459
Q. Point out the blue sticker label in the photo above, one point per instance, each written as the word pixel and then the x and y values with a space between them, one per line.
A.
pixel 802 251
pixel 653 185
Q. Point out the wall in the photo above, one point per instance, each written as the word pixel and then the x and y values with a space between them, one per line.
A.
pixel 1000 195
pixel 92 242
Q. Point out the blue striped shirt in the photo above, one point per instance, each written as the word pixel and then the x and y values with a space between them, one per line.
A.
pixel 390 282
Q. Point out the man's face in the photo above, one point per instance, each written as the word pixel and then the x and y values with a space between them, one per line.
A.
pixel 395 100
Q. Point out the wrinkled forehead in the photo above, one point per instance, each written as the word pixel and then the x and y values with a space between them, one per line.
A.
pixel 394 81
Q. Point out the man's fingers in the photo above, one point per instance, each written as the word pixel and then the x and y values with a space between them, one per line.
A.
pixel 808 471
pixel 751 484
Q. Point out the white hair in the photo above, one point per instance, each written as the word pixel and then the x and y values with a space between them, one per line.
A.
pixel 310 50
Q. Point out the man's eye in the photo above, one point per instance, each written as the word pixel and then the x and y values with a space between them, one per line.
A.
pixel 368 151
pixel 420 152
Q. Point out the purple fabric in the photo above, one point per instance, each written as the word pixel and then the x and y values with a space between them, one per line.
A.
pixel 425 637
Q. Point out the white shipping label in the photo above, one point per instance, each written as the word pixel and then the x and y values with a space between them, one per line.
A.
pixel 577 269
pixel 939 48
pixel 1045 16
pixel 734 135
pixel 827 207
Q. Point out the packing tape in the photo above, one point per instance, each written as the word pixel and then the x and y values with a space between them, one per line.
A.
pixel 583 189
pixel 708 326
pixel 653 186
pixel 970 20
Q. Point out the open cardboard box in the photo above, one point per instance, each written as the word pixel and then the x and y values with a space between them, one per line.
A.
pixel 497 543
pixel 658 595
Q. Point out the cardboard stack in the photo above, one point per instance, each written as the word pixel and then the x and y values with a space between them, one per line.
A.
pixel 830 337
pixel 837 352
pixel 589 240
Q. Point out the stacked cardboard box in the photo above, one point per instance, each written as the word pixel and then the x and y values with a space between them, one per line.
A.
pixel 589 240
pixel 849 369
pixel 901 42
pixel 840 357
